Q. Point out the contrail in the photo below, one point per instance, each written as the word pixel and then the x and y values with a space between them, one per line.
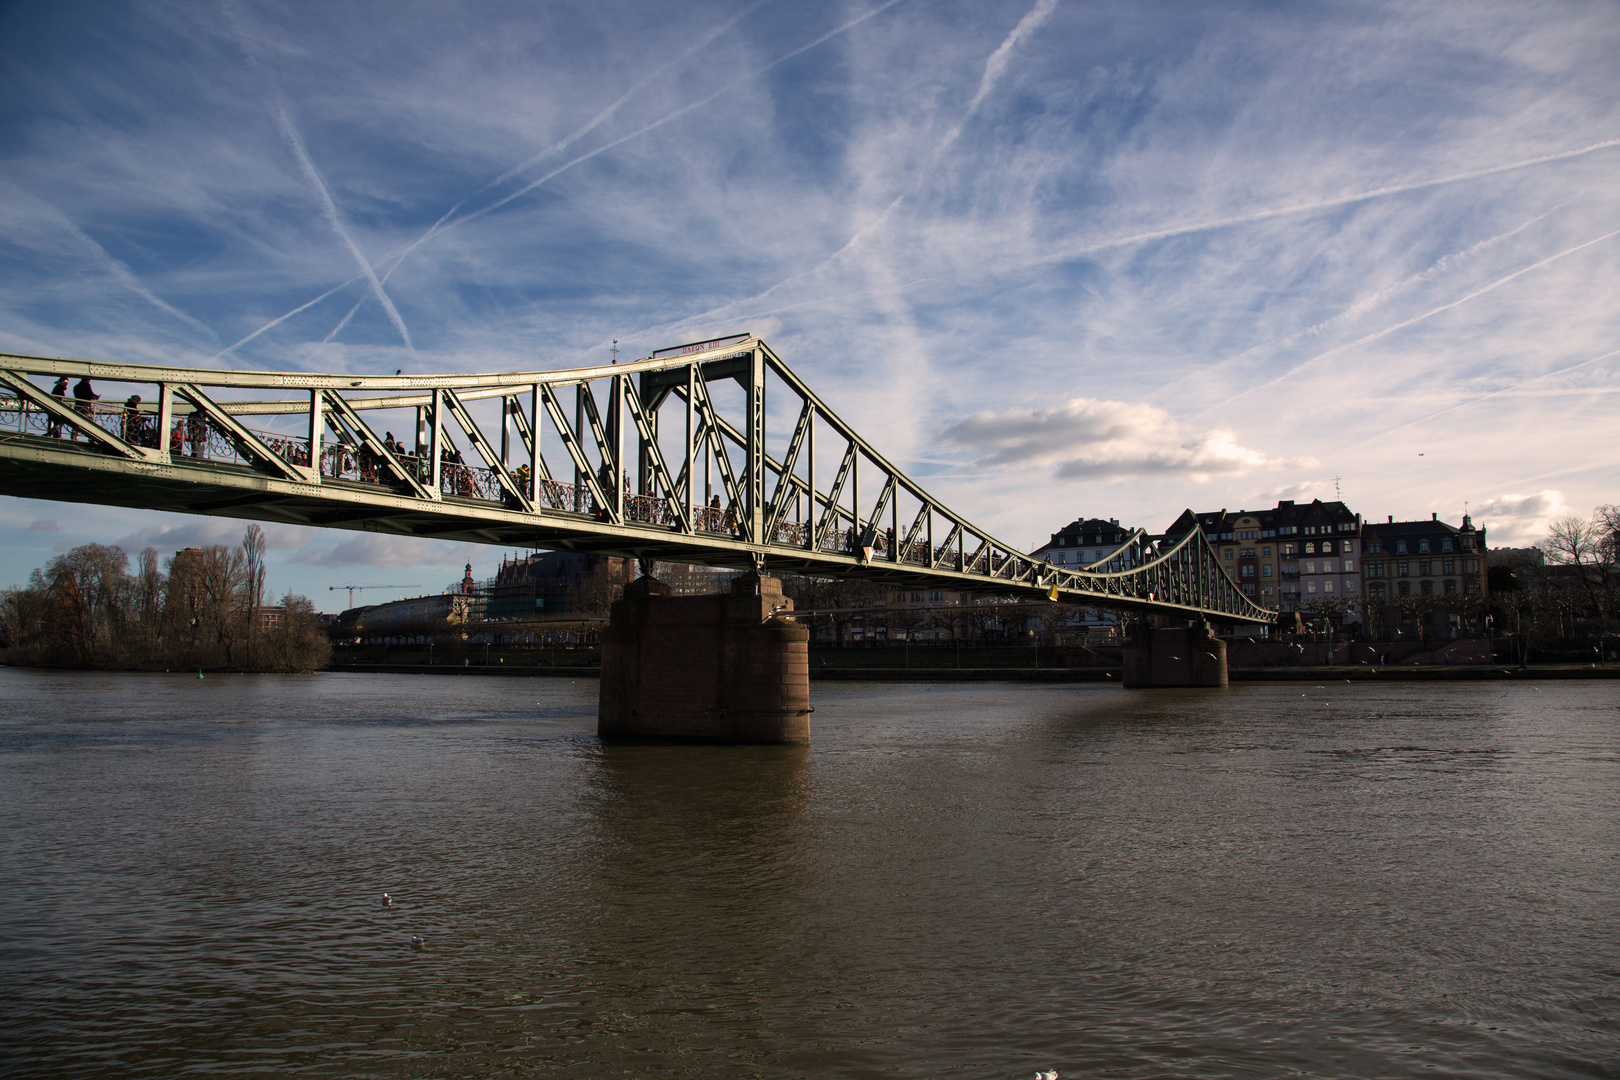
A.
pixel 1305 208
pixel 678 113
pixel 1498 283
pixel 567 140
pixel 1362 307
pixel 119 270
pixel 336 222
pixel 279 319
pixel 442 224
pixel 1486 397
pixel 994 67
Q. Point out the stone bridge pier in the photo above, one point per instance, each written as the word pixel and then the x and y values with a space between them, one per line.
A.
pixel 1175 656
pixel 724 668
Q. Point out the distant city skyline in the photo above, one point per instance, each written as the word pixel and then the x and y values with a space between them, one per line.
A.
pixel 1056 260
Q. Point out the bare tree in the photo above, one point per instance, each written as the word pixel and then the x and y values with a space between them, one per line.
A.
pixel 1587 547
pixel 253 546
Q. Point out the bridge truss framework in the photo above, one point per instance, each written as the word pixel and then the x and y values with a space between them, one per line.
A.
pixel 674 457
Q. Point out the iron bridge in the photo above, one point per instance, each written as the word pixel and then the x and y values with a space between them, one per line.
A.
pixel 673 457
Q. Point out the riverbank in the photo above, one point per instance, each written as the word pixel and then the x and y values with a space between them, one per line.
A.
pixel 1472 673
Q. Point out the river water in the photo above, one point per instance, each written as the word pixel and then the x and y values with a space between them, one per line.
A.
pixel 954 881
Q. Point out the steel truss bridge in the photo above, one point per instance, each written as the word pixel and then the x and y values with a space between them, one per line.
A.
pixel 714 453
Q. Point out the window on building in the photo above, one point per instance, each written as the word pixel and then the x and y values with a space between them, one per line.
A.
pixel 1310 549
pixel 1375 569
pixel 1376 589
pixel 1310 586
pixel 1327 586
pixel 1445 545
pixel 1451 587
pixel 1400 570
pixel 1227 552
pixel 1473 587
pixel 1286 530
pixel 1265 553
pixel 1347 546
pixel 1265 570
pixel 1246 571
pixel 1265 590
pixel 1426 588
pixel 1349 566
pixel 1423 547
pixel 1246 553
pixel 1327 547
pixel 1425 568
pixel 1310 567
pixel 1400 547
pixel 1375 546
pixel 1248 590
pixel 1290 549
pixel 1448 566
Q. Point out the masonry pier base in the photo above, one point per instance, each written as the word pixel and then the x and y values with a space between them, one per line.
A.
pixel 726 668
pixel 1175 656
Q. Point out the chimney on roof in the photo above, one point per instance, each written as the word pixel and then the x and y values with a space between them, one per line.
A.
pixel 1392 519
pixel 1435 516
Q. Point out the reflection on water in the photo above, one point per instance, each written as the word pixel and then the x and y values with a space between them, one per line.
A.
pixel 954 880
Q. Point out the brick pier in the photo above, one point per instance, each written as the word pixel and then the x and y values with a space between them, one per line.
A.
pixel 725 668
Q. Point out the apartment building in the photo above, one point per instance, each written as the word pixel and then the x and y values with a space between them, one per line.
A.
pixel 1288 556
pixel 1424 559
pixel 1088 541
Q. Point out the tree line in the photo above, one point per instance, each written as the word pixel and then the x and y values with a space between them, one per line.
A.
pixel 200 608
pixel 1565 592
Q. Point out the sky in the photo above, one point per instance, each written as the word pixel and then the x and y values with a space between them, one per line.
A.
pixel 1055 259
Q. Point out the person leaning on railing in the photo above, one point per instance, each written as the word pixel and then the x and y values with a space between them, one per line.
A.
pixel 60 393
pixel 132 420
pixel 85 398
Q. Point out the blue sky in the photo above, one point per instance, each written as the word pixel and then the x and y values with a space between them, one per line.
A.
pixel 1056 258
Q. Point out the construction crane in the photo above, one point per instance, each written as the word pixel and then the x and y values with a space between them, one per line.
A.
pixel 355 587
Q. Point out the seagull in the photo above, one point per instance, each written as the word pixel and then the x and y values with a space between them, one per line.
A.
pixel 1047 1074
pixel 417 943
pixel 388 901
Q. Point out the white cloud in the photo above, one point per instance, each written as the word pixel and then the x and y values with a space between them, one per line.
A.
pixel 1093 439
pixel 376 550
pixel 1520 520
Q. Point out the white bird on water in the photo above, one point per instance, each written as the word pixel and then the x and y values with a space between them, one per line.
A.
pixel 1047 1074
pixel 388 901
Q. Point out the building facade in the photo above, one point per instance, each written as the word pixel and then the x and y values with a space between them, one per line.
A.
pixel 1303 557
pixel 1425 574
pixel 1089 541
